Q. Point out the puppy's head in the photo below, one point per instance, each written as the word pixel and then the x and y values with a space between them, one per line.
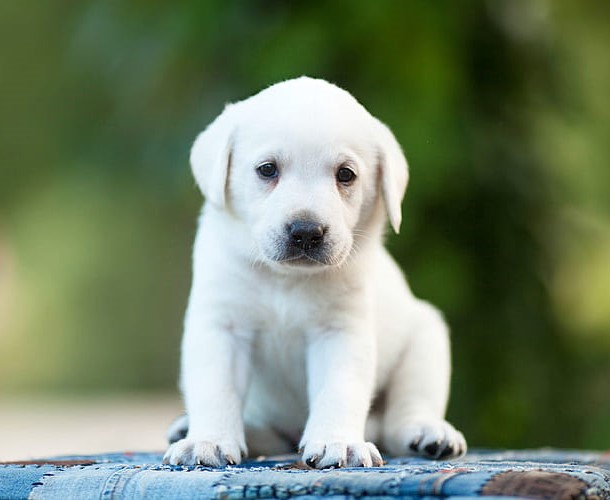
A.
pixel 305 167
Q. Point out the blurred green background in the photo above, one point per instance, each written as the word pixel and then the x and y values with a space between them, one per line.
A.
pixel 503 109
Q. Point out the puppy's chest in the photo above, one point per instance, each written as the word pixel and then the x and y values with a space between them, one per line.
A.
pixel 278 357
pixel 282 320
pixel 281 328
pixel 284 314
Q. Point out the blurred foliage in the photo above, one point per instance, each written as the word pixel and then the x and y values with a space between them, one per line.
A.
pixel 502 107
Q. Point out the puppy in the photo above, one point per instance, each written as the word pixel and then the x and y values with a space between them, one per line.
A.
pixel 300 329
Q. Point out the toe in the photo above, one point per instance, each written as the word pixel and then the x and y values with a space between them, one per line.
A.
pixel 376 457
pixel 359 455
pixel 363 455
pixel 179 453
pixel 312 453
pixel 207 454
pixel 335 455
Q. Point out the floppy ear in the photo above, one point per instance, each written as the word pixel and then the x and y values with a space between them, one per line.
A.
pixel 211 156
pixel 394 173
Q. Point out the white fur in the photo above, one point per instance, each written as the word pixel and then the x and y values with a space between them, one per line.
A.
pixel 278 351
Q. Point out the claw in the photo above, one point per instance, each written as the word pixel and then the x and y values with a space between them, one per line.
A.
pixel 447 452
pixel 433 449
pixel 414 446
pixel 335 465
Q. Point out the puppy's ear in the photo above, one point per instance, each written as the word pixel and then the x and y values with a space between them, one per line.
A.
pixel 394 173
pixel 211 156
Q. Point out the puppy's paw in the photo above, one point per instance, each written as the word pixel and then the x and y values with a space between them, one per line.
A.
pixel 435 439
pixel 323 455
pixel 208 453
pixel 178 429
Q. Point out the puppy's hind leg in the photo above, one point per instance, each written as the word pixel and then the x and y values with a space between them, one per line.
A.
pixel 178 429
pixel 418 391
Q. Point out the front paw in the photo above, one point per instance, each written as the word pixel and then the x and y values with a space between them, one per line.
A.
pixel 435 439
pixel 323 455
pixel 208 453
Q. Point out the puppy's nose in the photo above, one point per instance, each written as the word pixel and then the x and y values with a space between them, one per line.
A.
pixel 306 234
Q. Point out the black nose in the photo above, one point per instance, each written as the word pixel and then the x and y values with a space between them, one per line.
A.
pixel 306 234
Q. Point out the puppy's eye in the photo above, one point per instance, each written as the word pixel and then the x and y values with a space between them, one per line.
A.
pixel 345 175
pixel 267 170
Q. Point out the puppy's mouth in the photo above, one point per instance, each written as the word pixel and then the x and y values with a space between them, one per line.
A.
pixel 305 259
pixel 322 256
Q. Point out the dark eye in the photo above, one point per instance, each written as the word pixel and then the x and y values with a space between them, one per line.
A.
pixel 345 175
pixel 267 170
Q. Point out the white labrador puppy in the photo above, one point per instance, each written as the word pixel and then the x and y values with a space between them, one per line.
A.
pixel 300 329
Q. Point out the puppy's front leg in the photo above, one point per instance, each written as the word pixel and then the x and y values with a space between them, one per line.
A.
pixel 418 391
pixel 341 371
pixel 215 366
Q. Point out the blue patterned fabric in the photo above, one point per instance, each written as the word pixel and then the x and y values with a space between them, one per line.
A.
pixel 518 474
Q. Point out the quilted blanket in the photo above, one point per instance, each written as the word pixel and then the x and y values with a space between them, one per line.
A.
pixel 543 473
